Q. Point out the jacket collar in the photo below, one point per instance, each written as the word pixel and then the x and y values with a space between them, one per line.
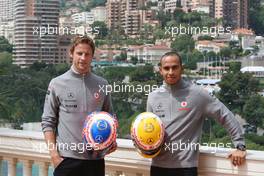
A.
pixel 75 73
pixel 174 87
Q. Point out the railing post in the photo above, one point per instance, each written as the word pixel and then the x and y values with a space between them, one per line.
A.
pixel 43 168
pixel 12 162
pixel 27 167
pixel 1 165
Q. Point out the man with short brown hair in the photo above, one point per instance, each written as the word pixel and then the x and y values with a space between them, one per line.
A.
pixel 70 97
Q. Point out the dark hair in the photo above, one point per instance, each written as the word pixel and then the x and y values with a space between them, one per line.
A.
pixel 171 53
pixel 84 39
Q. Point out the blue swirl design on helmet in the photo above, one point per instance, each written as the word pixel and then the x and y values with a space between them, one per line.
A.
pixel 100 131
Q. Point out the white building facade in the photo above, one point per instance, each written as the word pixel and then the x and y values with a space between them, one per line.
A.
pixel 83 17
pixel 99 13
pixel 148 53
pixel 7 30
pixel 7 10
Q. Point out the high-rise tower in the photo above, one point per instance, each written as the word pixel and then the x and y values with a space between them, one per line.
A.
pixel 235 13
pixel 29 45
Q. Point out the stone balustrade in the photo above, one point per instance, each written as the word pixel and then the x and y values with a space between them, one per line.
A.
pixel 28 148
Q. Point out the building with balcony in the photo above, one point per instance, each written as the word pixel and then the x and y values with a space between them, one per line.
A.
pixel 196 4
pixel 211 85
pixel 99 13
pixel 29 149
pixel 83 17
pixel 132 23
pixel 235 13
pixel 125 16
pixel 66 22
pixel 64 45
pixel 245 37
pixel 36 37
pixel 257 71
pixel 201 8
pixel 218 9
pixel 259 41
pixel 115 13
pixel 146 17
pixel 7 19
pixel 147 53
pixel 187 5
pixel 171 5
pixel 161 4
pixel 7 30
pixel 7 10
pixel 206 45
pixel 70 11
pixel 106 55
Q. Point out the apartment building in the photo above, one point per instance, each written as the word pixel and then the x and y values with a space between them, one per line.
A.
pixel 187 5
pixel 83 17
pixel 235 13
pixel 6 10
pixel 99 13
pixel 36 38
pixel 216 8
pixel 7 30
pixel 124 16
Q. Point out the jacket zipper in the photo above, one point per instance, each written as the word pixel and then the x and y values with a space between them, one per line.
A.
pixel 85 94
pixel 171 104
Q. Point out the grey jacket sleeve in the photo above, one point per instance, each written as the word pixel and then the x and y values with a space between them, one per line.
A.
pixel 50 110
pixel 149 108
pixel 217 110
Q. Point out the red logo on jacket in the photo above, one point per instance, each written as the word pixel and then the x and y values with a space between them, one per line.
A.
pixel 184 105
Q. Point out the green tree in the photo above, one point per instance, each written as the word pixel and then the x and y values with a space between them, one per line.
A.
pixel 123 56
pixel 163 17
pixel 115 36
pixel 192 18
pixel 5 108
pixel 190 59
pixel 62 4
pixel 146 32
pixel 253 110
pixel 211 54
pixel 5 45
pixel 5 59
pixel 103 30
pixel 178 15
pixel 158 34
pixel 256 16
pixel 37 66
pixel 142 74
pixel 26 90
pixel 183 43
pixel 255 138
pixel 61 68
pixel 225 52
pixel 134 60
pixel 95 3
pixel 234 67
pixel 236 88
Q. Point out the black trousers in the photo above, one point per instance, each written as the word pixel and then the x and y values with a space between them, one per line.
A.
pixel 160 171
pixel 76 167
